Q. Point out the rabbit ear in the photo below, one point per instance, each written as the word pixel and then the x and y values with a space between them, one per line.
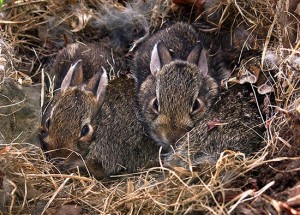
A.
pixel 203 63
pixel 73 77
pixel 160 56
pixel 98 85
pixel 200 58
pixel 102 87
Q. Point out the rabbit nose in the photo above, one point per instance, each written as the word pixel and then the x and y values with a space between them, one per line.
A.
pixel 174 135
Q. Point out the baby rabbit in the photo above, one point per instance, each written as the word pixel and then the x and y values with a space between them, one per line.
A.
pixel 176 82
pixel 105 132
pixel 120 143
pixel 95 58
pixel 238 130
pixel 68 120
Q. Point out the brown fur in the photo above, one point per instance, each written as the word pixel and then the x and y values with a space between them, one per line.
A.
pixel 240 131
pixel 121 144
pixel 94 56
pixel 71 110
pixel 77 105
pixel 177 85
pixel 116 141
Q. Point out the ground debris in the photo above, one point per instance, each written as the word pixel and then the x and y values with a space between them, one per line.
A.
pixel 264 48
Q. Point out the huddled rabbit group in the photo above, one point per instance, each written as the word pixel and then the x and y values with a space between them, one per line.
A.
pixel 109 121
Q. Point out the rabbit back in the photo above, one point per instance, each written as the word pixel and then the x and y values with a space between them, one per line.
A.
pixel 121 144
pixel 234 123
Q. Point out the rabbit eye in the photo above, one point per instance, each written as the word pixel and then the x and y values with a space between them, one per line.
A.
pixel 197 106
pixel 85 130
pixel 155 105
pixel 86 134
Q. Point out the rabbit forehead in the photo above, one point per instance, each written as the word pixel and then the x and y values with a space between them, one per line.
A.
pixel 177 86
pixel 73 110
pixel 179 75
pixel 75 103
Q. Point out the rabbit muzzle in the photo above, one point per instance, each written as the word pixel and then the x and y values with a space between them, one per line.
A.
pixel 168 136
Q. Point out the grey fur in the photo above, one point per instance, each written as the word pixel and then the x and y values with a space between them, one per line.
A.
pixel 239 130
pixel 94 56
pixel 123 26
pixel 178 85
pixel 120 144
pixel 64 117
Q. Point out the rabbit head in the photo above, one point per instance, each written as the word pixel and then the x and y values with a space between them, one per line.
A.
pixel 176 93
pixel 68 121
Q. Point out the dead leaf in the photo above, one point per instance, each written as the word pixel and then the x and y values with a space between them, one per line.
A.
pixel 181 170
pixel 80 23
pixel 233 80
pixel 228 195
pixel 294 62
pixel 245 76
pixel 82 17
pixel 214 124
pixel 4 150
pixel 265 88
pixel 271 60
pixel 294 191
pixel 294 202
pixel 284 206
pixel 255 70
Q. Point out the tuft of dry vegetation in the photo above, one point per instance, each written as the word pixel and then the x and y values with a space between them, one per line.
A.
pixel 265 37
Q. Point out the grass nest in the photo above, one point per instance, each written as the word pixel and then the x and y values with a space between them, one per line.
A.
pixel 265 36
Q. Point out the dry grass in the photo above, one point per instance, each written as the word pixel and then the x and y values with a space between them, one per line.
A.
pixel 31 180
pixel 235 184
